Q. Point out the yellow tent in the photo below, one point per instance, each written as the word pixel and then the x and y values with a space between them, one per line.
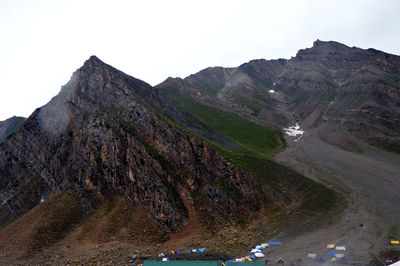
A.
pixel 395 242
pixel 333 259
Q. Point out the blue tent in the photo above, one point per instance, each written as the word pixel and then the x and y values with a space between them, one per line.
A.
pixel 332 253
pixel 273 243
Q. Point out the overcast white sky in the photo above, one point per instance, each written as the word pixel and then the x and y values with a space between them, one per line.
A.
pixel 43 42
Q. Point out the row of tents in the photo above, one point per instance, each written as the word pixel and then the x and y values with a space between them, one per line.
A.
pixel 201 263
pixel 335 253
pixel 257 252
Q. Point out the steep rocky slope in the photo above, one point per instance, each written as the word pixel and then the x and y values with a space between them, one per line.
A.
pixel 99 136
pixel 111 158
pixel 354 89
pixel 9 126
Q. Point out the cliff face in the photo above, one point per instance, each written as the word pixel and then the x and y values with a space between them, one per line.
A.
pixel 108 133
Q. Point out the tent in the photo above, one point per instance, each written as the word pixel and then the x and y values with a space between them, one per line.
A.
pixel 273 243
pixel 252 256
pixel 201 250
pixel 394 242
pixel 312 256
pixel 182 263
pixel 332 253
pixel 259 255
pixel 330 246
pixel 333 259
pixel 339 255
pixel 254 250
pixel 343 248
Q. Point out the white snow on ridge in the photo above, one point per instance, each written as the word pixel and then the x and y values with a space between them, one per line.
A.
pixel 294 131
pixel 271 91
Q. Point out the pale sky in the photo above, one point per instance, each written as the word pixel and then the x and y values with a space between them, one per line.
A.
pixel 43 42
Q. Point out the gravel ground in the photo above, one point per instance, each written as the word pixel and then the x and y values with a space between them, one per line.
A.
pixel 371 183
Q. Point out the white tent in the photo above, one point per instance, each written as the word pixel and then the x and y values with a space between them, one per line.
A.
pixel 312 256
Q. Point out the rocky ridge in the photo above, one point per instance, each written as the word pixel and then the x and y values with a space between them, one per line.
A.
pixel 354 89
pixel 99 136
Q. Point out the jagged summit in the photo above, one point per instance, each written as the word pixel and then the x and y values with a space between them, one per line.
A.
pixel 319 43
pixel 93 60
pixel 95 63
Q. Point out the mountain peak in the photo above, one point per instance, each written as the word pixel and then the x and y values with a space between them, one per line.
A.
pixel 93 61
pixel 329 44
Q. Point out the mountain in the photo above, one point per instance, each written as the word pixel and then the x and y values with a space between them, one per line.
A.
pixel 344 103
pixel 9 126
pixel 110 152
pixel 112 166
pixel 353 90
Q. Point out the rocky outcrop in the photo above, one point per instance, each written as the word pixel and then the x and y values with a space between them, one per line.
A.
pixel 107 133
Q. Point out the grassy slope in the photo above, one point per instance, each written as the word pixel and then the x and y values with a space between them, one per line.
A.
pixel 256 140
pixel 258 145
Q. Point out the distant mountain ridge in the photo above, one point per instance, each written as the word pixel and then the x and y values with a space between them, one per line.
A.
pixel 9 126
pixel 355 89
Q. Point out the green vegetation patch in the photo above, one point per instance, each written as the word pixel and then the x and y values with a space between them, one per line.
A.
pixel 257 140
pixel 234 195
pixel 392 145
pixel 251 104
pixel 208 89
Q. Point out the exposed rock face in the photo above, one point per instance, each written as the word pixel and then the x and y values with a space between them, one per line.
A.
pixel 356 89
pixel 104 134
pixel 9 126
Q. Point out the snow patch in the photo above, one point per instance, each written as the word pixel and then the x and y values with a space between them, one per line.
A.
pixel 294 131
pixel 271 91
